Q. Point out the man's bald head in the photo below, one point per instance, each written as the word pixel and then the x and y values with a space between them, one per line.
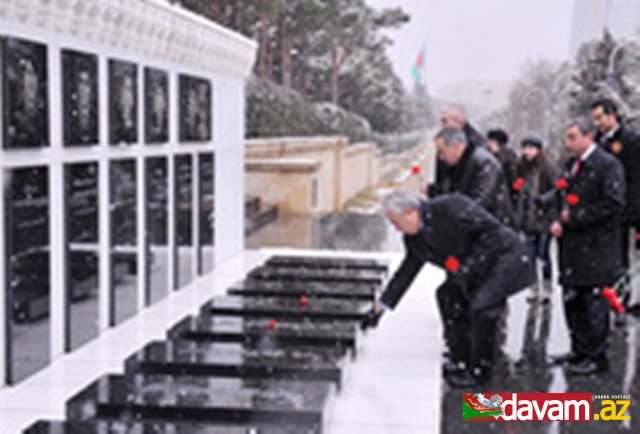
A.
pixel 453 115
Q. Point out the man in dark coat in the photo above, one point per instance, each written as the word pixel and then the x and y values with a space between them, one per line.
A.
pixel 498 141
pixel 623 143
pixel 486 262
pixel 472 171
pixel 455 116
pixel 587 226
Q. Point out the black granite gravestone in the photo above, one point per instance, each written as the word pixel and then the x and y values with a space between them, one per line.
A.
pixel 267 332
pixel 203 399
pixel 323 309
pixel 332 262
pixel 275 288
pixel 157 427
pixel 227 359
pixel 316 274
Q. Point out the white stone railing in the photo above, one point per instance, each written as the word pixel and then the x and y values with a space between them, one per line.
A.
pixel 151 28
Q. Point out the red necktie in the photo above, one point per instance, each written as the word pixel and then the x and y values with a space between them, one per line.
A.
pixel 576 168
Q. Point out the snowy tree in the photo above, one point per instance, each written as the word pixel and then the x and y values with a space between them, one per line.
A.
pixel 329 51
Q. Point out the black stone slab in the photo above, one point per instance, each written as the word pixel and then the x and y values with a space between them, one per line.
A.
pixel 203 399
pixel 319 275
pixel 182 357
pixel 320 309
pixel 329 263
pixel 159 427
pixel 267 333
pixel 136 427
pixel 275 288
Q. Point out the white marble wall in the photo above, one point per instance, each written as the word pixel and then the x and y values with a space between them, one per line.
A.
pixel 149 33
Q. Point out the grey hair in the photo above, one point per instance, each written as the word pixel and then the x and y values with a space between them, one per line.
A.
pixel 451 135
pixel 585 126
pixel 398 201
pixel 457 110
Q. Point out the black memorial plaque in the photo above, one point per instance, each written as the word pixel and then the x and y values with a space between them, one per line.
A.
pixel 24 94
pixel 28 267
pixel 82 202
pixel 127 426
pixel 206 196
pixel 123 102
pixel 156 106
pixel 268 332
pixel 301 274
pixel 80 98
pixel 243 360
pixel 81 217
pixel 195 109
pixel 183 186
pixel 330 263
pixel 157 187
pixel 203 399
pixel 275 288
pixel 319 309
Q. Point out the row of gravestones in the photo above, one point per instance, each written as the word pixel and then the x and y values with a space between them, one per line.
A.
pixel 267 358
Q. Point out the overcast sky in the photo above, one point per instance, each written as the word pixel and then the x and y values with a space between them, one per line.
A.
pixel 478 39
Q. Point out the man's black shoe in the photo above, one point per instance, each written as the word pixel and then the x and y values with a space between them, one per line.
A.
pixel 587 367
pixel 466 380
pixel 451 367
pixel 461 380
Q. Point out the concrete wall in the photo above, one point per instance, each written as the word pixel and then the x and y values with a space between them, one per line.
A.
pixel 306 175
pixel 359 171
pixel 288 183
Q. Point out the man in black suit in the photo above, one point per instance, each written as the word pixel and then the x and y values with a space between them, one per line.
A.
pixel 485 261
pixel 623 143
pixel 587 226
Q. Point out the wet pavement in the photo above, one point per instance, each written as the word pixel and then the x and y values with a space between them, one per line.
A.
pixel 533 332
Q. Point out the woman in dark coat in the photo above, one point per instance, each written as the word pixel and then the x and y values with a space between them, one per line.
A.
pixel 535 178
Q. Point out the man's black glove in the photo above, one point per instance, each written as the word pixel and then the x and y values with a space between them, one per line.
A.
pixel 371 319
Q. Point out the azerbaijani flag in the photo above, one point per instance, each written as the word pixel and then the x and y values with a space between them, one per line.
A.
pixel 419 64
pixel 476 406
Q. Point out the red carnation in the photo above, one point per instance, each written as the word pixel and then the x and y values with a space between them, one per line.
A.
pixel 573 199
pixel 415 169
pixel 272 324
pixel 612 298
pixel 452 264
pixel 304 301
pixel 638 236
pixel 562 184
pixel 518 184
